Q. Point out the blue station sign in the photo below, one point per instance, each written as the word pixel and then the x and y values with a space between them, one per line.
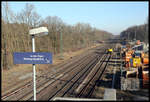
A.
pixel 32 58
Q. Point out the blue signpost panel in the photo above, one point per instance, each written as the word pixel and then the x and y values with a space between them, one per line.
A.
pixel 32 58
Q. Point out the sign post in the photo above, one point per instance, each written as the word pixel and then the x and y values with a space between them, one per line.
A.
pixel 37 31
pixel 34 71
pixel 34 57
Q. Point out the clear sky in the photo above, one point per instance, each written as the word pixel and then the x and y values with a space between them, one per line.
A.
pixel 113 17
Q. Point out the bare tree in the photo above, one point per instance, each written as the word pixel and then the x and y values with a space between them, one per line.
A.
pixel 15 37
pixel 29 16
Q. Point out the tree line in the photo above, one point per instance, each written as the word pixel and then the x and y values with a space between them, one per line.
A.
pixel 15 34
pixel 139 32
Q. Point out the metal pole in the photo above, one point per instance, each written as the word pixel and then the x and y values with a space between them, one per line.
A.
pixel 135 34
pixel 114 72
pixel 128 35
pixel 61 46
pixel 34 71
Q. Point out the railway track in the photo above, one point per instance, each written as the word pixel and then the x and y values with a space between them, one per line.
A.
pixel 96 89
pixel 59 83
pixel 55 81
pixel 87 86
pixel 67 86
pixel 68 80
pixel 90 86
pixel 63 65
pixel 29 86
